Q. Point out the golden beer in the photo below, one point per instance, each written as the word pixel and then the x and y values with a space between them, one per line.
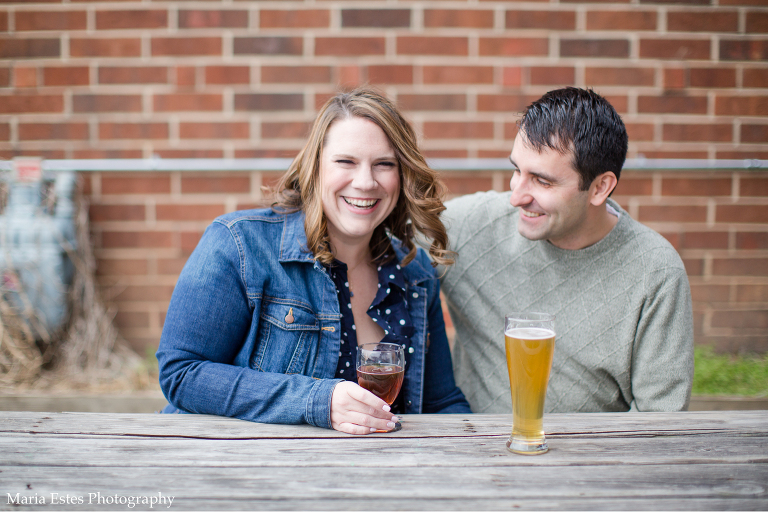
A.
pixel 529 361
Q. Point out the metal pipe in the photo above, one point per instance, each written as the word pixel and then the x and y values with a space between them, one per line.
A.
pixel 439 164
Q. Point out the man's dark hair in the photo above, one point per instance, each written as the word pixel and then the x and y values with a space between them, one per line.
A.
pixel 578 121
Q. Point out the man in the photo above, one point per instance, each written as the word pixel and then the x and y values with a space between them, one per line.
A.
pixel 556 244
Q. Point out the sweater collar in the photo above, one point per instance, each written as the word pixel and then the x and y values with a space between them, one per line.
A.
pixel 607 241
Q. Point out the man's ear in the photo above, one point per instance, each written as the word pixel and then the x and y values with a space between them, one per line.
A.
pixel 601 188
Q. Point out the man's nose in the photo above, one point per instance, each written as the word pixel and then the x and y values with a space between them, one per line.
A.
pixel 520 194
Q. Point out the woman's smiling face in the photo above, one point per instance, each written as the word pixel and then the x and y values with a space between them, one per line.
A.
pixel 359 179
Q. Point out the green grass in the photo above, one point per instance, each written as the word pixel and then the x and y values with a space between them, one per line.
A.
pixel 150 359
pixel 722 374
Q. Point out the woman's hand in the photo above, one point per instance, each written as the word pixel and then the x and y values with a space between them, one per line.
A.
pixel 355 410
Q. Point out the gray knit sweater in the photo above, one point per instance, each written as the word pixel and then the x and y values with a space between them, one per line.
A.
pixel 624 326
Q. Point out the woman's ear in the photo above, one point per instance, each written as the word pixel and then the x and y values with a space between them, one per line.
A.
pixel 601 188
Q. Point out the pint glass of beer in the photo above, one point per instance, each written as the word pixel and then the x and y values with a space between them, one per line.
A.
pixel 530 343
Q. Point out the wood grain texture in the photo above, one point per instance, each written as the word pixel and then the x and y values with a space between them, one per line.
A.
pixel 452 452
pixel 426 425
pixel 546 487
pixel 648 461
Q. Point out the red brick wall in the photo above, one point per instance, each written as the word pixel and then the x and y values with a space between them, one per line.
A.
pixel 231 78
pixel 146 224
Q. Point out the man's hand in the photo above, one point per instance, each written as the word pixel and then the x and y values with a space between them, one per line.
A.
pixel 355 410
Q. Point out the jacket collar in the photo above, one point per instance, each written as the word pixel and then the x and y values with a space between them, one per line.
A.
pixel 293 247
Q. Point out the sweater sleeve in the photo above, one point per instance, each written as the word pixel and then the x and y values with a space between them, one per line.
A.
pixel 662 362
pixel 456 215
pixel 452 220
pixel 459 213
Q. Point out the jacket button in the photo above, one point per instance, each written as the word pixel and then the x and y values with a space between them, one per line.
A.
pixel 289 316
pixel 409 403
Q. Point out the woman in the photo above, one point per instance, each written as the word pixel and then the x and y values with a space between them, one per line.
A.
pixel 269 309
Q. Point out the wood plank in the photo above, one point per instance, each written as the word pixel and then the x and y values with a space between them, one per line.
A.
pixel 215 427
pixel 449 452
pixel 727 403
pixel 144 403
pixel 486 488
pixel 428 504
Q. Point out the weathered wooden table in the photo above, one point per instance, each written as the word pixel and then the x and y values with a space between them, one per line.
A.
pixel 623 461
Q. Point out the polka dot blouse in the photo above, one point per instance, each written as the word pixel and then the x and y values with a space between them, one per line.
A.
pixel 388 309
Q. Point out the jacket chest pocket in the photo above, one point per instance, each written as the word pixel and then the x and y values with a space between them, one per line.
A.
pixel 286 336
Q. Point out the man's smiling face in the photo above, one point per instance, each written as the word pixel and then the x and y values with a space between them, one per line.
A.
pixel 545 187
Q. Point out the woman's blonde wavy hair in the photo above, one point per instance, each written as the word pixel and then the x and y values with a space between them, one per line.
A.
pixel 419 204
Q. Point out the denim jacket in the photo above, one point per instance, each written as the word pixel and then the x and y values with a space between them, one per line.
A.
pixel 253 326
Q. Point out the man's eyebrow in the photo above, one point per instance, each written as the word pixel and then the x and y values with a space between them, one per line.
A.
pixel 543 176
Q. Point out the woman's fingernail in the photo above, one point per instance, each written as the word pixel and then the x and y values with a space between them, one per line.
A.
pixel 386 408
pixel 391 425
pixel 373 429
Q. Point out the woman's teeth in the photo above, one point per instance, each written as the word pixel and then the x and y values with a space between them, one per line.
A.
pixel 531 214
pixel 361 203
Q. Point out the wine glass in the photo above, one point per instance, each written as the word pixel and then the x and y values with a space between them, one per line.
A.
pixel 380 370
